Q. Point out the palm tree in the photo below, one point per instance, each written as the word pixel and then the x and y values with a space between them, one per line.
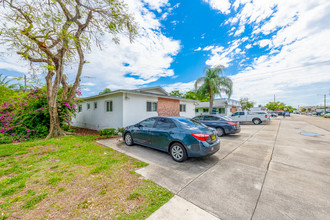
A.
pixel 3 80
pixel 213 83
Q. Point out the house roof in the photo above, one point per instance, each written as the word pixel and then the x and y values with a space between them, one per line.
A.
pixel 150 91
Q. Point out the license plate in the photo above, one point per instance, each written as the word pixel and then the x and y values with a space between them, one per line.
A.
pixel 212 137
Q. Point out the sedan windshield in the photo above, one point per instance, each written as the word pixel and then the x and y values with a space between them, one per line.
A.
pixel 190 123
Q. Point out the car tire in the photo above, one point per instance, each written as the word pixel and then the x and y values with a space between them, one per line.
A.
pixel 128 139
pixel 220 132
pixel 256 121
pixel 178 152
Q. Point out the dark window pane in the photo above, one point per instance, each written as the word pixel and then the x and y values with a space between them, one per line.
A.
pixel 148 123
pixel 148 106
pixel 164 123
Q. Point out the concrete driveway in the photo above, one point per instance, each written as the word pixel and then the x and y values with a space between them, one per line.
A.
pixel 267 171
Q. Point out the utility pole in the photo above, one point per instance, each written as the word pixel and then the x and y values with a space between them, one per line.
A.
pixel 325 103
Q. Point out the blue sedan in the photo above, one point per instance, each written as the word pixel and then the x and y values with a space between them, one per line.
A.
pixel 181 137
pixel 222 124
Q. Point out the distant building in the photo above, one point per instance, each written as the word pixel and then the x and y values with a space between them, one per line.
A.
pixel 221 106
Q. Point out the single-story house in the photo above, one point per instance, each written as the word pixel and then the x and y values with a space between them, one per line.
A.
pixel 222 106
pixel 123 107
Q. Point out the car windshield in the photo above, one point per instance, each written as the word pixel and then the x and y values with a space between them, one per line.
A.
pixel 190 123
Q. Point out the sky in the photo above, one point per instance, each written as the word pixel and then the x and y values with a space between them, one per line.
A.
pixel 269 48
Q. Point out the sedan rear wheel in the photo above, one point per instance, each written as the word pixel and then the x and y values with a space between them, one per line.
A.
pixel 220 132
pixel 178 152
pixel 128 139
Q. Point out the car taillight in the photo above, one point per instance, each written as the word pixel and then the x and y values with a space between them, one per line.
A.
pixel 265 116
pixel 201 137
pixel 232 123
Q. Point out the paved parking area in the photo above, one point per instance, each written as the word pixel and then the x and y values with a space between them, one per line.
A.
pixel 266 172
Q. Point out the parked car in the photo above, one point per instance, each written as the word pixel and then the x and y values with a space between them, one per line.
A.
pixel 180 137
pixel 274 115
pixel 254 117
pixel 327 115
pixel 222 124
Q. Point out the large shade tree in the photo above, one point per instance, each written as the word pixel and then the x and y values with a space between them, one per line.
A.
pixel 57 33
pixel 214 83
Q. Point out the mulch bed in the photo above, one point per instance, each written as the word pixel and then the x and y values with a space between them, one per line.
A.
pixel 85 131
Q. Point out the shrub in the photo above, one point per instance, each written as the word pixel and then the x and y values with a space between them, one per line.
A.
pixel 5 139
pixel 108 132
pixel 27 116
pixel 120 130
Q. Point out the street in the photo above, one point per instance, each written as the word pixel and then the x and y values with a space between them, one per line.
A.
pixel 269 171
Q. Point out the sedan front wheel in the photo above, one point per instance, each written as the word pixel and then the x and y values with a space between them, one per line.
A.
pixel 128 139
pixel 178 152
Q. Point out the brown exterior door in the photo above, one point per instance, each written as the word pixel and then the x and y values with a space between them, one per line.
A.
pixel 233 109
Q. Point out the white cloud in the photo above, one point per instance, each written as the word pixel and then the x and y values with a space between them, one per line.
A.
pixel 182 87
pixel 248 46
pixel 87 84
pixel 198 49
pixel 208 48
pixel 240 30
pixel 297 33
pixel 156 4
pixel 222 5
pixel 264 43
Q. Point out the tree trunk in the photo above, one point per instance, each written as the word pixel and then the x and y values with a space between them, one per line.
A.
pixel 211 102
pixel 55 129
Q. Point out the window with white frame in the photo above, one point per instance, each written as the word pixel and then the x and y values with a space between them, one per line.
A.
pixel 88 106
pixel 108 106
pixel 151 106
pixel 182 107
pixel 95 105
pixel 79 108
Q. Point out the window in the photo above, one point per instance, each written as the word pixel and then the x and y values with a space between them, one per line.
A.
pixel 198 118
pixel 196 110
pixel 108 106
pixel 95 105
pixel 241 113
pixel 151 106
pixel 88 106
pixel 222 111
pixel 148 123
pixel 80 108
pixel 182 107
pixel 235 114
pixel 205 110
pixel 210 118
pixel 164 123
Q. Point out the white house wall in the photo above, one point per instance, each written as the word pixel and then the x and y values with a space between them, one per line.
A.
pixel 97 119
pixel 190 109
pixel 135 108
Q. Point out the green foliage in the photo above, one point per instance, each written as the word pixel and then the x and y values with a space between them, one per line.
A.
pixel 203 97
pixel 4 139
pixel 246 104
pixel 28 116
pixel 7 94
pixel 279 106
pixel 108 132
pixel 120 130
pixel 303 109
pixel 176 93
pixel 105 91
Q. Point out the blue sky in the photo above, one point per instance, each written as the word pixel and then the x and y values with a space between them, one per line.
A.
pixel 268 47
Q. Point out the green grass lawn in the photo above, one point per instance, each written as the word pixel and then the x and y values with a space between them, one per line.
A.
pixel 73 177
